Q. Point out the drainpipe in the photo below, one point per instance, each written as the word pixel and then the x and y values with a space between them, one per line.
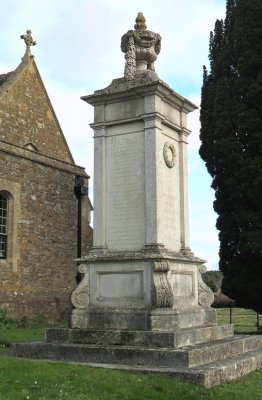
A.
pixel 80 191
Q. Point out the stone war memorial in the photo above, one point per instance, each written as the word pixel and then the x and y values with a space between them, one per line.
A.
pixel 141 304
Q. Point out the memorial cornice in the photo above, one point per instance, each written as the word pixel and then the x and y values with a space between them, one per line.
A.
pixel 147 83
pixel 144 117
pixel 143 255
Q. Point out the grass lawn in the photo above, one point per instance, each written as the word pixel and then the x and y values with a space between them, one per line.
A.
pixel 38 380
pixel 22 334
pixel 13 334
pixel 22 379
pixel 244 320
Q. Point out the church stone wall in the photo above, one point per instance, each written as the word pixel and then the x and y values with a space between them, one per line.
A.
pixel 39 275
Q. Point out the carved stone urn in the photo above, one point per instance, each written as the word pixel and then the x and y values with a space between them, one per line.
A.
pixel 141 48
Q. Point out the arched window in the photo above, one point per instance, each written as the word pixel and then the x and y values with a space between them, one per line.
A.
pixel 3 225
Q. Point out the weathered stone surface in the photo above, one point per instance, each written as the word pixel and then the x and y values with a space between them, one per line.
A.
pixel 175 339
pixel 186 337
pixel 110 319
pixel 207 357
pixel 219 372
pixel 181 318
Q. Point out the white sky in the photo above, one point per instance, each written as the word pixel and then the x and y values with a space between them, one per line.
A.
pixel 78 51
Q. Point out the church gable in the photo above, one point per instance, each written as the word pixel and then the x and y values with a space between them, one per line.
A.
pixel 26 114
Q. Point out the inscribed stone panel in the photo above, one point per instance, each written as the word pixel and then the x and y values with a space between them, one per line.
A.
pixel 182 283
pixel 119 285
pixel 125 216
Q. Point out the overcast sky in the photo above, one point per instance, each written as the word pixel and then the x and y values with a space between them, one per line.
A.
pixel 78 51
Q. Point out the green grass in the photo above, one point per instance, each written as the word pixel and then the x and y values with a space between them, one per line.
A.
pixel 22 379
pixel 21 330
pixel 12 334
pixel 244 320
pixel 22 334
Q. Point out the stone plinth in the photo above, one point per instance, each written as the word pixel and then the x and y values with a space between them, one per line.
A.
pixel 145 292
pixel 140 273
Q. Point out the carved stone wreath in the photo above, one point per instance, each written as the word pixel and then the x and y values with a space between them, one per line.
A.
pixel 169 148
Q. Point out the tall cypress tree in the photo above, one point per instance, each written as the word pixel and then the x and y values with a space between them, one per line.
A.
pixel 231 136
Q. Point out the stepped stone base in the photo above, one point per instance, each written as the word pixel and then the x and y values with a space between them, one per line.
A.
pixel 209 375
pixel 206 355
pixel 146 339
pixel 160 319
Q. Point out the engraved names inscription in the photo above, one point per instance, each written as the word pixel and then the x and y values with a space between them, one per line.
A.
pixel 125 228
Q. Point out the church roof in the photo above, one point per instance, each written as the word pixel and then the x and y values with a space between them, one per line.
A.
pixel 25 88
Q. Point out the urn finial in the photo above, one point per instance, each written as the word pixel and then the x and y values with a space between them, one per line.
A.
pixel 141 48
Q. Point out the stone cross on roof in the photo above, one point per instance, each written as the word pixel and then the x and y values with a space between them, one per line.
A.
pixel 28 41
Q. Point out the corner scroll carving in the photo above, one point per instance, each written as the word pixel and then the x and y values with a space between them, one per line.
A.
pixel 80 296
pixel 205 294
pixel 162 291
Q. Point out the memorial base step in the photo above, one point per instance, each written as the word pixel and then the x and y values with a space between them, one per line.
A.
pixel 179 338
pixel 160 319
pixel 208 375
pixel 208 363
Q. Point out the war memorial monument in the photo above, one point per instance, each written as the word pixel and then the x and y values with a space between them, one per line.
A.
pixel 141 304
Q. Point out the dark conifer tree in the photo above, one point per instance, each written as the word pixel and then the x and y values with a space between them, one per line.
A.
pixel 231 136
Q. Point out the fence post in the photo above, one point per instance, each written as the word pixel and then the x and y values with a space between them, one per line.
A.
pixel 230 314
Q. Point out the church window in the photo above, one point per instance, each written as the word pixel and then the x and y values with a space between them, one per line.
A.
pixel 3 225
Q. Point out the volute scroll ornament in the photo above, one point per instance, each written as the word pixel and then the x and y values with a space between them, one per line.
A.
pixel 80 296
pixel 205 294
pixel 162 291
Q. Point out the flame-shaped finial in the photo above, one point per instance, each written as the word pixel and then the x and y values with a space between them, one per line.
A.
pixel 140 22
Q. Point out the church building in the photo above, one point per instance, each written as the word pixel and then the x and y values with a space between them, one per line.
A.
pixel 44 205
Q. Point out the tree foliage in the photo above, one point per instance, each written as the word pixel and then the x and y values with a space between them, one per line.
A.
pixel 231 136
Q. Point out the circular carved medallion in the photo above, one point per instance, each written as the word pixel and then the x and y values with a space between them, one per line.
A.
pixel 169 154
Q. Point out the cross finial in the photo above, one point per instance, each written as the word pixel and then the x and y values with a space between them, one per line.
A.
pixel 28 41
